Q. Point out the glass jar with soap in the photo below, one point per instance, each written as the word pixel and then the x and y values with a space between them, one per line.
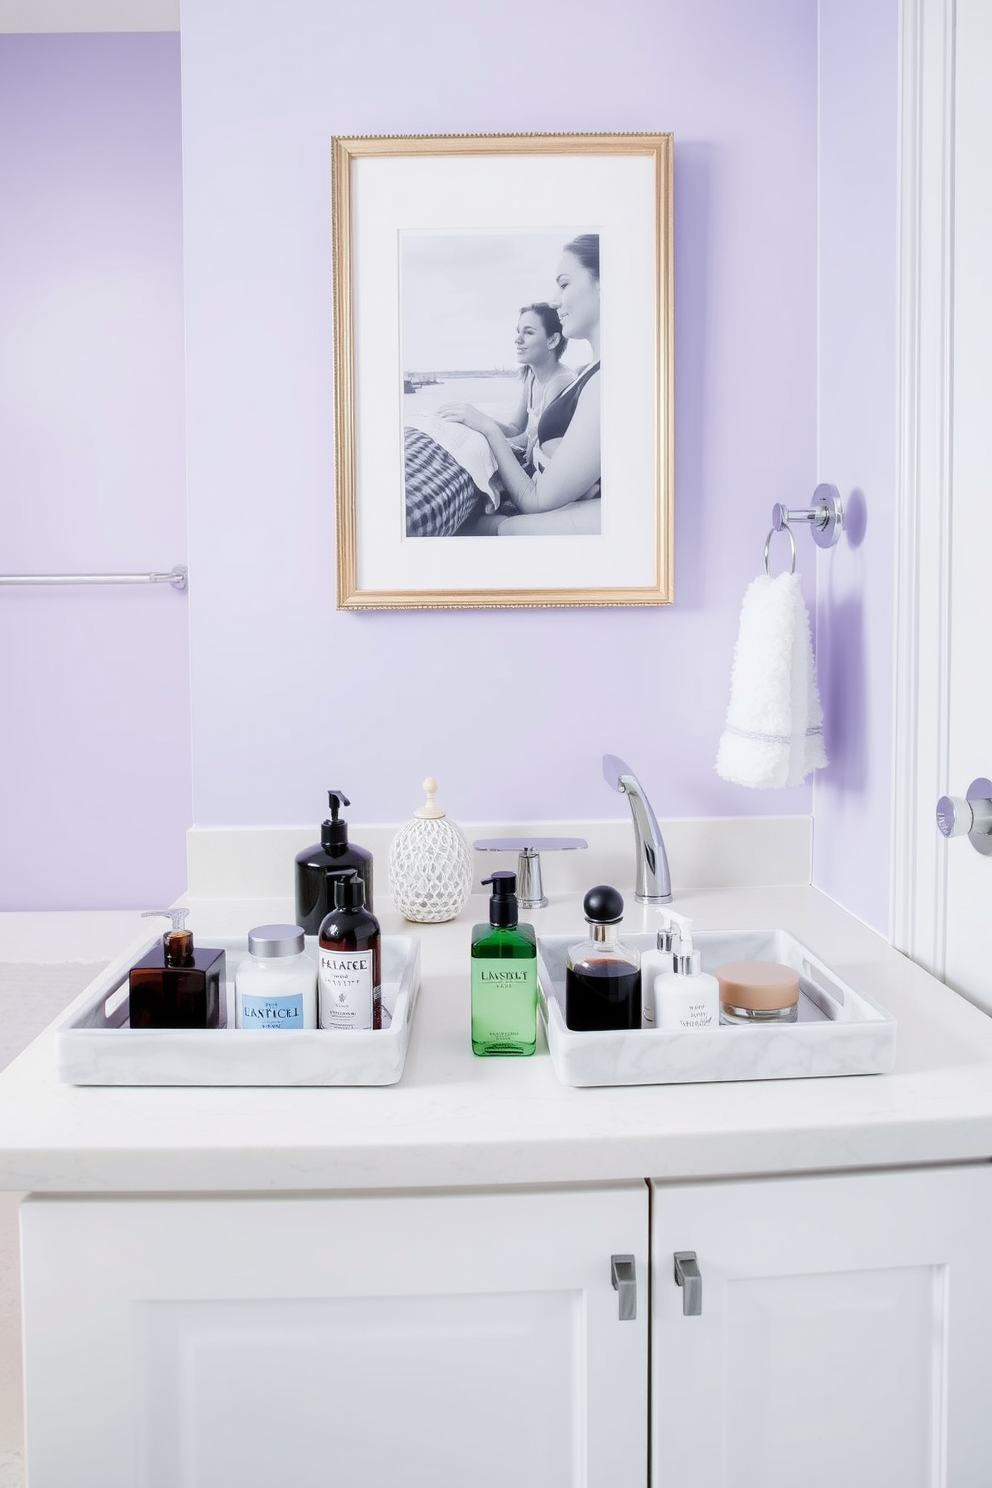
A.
pixel 758 992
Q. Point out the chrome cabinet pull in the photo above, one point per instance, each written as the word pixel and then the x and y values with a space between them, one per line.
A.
pixel 624 1282
pixel 689 1278
pixel 972 816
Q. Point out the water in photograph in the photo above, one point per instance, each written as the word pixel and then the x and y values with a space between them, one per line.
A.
pixel 496 395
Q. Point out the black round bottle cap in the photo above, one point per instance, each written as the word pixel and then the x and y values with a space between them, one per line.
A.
pixel 603 905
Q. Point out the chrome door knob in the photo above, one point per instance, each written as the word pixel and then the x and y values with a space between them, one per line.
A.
pixel 970 817
pixel 955 817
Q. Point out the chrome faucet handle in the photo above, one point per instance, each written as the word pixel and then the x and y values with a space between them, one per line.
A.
pixel 614 769
pixel 654 883
pixel 530 889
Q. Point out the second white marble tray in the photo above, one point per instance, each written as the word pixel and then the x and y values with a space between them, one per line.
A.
pixel 839 1030
pixel 95 1046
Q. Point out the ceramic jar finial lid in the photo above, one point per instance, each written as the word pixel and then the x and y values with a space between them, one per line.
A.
pixel 429 811
pixel 430 864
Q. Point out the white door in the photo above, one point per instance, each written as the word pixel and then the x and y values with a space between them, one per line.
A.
pixel 968 946
pixel 410 1341
pixel 841 1338
pixel 942 895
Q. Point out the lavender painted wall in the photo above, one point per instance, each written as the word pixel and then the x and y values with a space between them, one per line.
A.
pixel 95 773
pixel 91 436
pixel 858 331
pixel 511 711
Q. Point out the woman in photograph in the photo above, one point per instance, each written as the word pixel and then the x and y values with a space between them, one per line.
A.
pixel 540 344
pixel 446 488
pixel 562 494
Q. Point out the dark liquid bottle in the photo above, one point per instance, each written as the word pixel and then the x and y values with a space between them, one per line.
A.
pixel 597 995
pixel 602 976
pixel 178 986
pixel 349 986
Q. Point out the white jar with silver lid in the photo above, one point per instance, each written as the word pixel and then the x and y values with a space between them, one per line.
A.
pixel 276 985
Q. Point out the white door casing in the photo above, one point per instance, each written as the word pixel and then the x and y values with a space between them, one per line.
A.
pixel 942 890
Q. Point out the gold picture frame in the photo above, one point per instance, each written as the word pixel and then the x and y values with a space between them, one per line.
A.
pixel 436 242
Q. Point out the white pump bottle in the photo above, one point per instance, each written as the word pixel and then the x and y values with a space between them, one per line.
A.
pixel 686 997
pixel 653 963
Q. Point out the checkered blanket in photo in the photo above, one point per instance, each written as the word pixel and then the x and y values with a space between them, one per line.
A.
pixel 440 495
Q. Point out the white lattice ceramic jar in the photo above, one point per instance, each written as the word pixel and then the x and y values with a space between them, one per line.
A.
pixel 430 864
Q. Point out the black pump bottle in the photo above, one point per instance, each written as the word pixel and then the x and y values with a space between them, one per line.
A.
pixel 317 867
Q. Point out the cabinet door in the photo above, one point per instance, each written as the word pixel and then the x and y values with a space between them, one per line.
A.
pixel 845 1336
pixel 370 1342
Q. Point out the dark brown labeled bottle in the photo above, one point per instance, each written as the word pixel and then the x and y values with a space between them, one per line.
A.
pixel 318 866
pixel 349 986
pixel 178 985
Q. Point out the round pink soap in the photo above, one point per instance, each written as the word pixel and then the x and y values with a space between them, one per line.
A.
pixel 761 985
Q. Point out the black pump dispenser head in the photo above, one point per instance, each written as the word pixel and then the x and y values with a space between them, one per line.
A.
pixel 334 833
pixel 349 891
pixel 503 900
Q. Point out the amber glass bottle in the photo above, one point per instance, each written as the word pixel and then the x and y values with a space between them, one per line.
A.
pixel 349 987
pixel 177 985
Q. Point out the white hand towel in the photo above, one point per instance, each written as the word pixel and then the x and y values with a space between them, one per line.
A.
pixel 774 730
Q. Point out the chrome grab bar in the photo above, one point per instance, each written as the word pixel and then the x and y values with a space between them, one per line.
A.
pixel 178 577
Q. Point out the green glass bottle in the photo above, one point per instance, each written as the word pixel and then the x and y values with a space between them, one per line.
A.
pixel 504 976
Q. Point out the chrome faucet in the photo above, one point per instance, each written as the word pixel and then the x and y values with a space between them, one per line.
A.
pixel 654 883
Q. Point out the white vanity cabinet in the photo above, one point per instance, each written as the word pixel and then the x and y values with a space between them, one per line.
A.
pixel 844 1336
pixel 435 1339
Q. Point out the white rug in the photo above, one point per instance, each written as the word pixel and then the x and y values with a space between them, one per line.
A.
pixel 31 996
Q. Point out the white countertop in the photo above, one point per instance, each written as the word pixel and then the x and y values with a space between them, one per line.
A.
pixel 457 1120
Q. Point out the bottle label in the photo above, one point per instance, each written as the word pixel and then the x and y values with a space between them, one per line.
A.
pixel 346 989
pixel 678 1006
pixel 271 1012
pixel 697 1015
pixel 504 1007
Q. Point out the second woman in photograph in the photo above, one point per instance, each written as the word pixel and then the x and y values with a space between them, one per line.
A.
pixel 562 493
pixel 540 345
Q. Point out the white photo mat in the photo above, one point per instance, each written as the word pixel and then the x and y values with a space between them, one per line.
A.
pixel 619 196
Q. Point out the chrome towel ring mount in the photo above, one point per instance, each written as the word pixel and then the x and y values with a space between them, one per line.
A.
pixel 825 518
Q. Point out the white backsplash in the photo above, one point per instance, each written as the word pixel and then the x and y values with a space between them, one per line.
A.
pixel 704 852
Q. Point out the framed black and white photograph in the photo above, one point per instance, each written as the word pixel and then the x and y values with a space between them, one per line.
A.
pixel 503 370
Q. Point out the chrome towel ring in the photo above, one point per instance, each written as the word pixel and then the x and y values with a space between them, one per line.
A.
pixel 768 542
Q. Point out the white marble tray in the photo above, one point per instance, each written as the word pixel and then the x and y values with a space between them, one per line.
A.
pixel 95 1046
pixel 839 1031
